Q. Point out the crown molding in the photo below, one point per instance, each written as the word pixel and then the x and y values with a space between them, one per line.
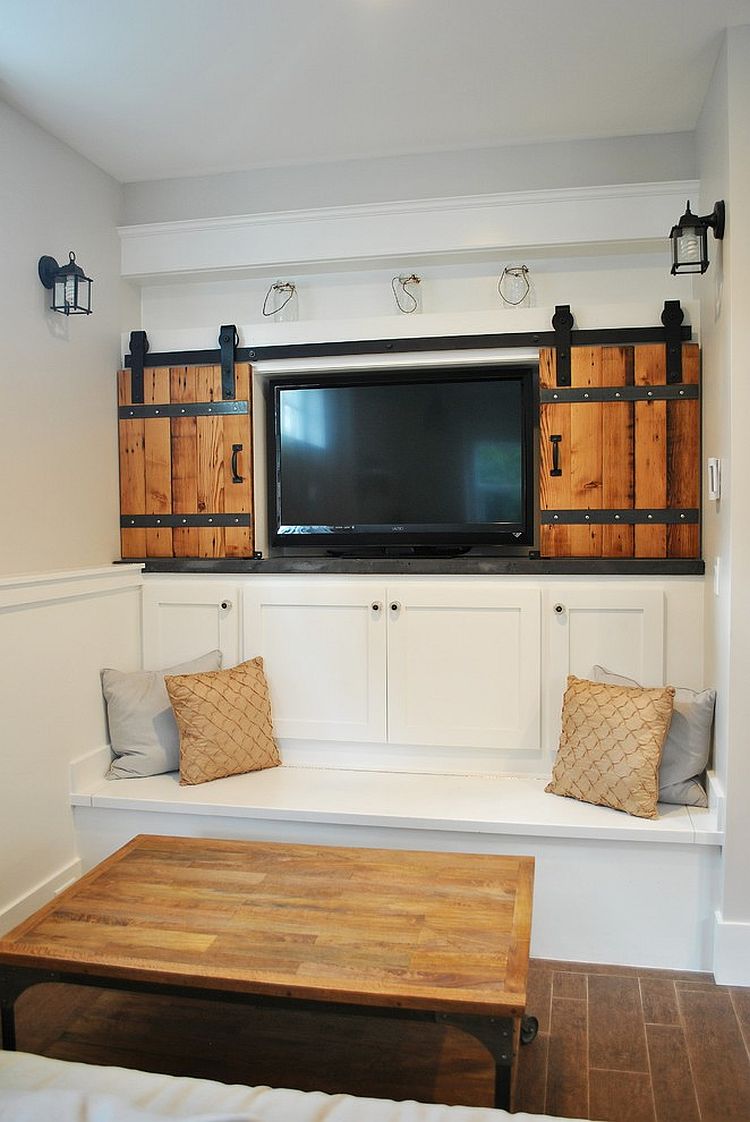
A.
pixel 583 218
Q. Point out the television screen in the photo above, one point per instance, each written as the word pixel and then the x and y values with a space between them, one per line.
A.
pixel 419 458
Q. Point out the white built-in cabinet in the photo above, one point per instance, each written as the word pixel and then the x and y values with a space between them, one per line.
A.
pixel 426 673
pixel 399 662
pixel 324 651
pixel 185 619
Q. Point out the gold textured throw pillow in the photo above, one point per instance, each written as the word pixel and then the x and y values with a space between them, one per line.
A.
pixel 611 745
pixel 224 718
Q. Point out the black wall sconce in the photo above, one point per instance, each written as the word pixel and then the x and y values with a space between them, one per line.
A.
pixel 690 239
pixel 71 288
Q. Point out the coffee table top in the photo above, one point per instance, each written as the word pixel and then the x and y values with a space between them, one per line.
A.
pixel 443 932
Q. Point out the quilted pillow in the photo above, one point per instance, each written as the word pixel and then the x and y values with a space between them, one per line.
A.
pixel 142 728
pixel 225 722
pixel 688 743
pixel 611 745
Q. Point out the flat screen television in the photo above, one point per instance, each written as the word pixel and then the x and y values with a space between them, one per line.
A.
pixel 401 461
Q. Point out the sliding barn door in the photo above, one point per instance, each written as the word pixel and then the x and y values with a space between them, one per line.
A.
pixel 185 464
pixel 620 454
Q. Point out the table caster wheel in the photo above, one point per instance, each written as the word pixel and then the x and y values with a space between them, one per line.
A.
pixel 529 1029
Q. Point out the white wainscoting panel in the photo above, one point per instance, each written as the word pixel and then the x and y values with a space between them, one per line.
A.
pixel 185 619
pixel 57 632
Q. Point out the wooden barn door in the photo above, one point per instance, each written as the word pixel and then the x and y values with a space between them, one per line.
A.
pixel 186 464
pixel 620 454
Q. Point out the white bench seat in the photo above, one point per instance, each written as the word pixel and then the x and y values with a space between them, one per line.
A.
pixel 512 805
pixel 608 887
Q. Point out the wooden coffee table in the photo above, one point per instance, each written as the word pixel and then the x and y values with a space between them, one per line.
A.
pixel 441 937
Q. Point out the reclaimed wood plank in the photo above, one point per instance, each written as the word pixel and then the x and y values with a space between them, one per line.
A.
pixel 158 462
pixel 586 451
pixel 210 462
pixel 650 450
pixel 132 458
pixel 184 435
pixel 617 451
pixel 684 458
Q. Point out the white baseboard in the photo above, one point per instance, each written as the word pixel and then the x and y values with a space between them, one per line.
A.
pixel 17 910
pixel 731 952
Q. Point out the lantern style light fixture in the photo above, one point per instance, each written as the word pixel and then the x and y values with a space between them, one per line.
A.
pixel 690 239
pixel 71 288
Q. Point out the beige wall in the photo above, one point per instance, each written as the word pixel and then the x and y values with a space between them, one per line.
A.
pixel 58 430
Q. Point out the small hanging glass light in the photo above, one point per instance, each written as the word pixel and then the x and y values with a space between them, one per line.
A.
pixel 690 239
pixel 71 288
pixel 407 293
pixel 280 303
pixel 514 287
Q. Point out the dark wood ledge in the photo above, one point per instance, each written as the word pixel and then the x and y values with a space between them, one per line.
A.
pixel 448 566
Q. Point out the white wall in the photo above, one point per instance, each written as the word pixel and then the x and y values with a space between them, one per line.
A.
pixel 448 291
pixel 724 154
pixel 519 167
pixel 58 423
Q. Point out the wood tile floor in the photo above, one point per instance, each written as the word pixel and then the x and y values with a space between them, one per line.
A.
pixel 616 1045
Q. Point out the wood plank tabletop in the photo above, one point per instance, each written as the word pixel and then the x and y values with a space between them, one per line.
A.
pixel 442 932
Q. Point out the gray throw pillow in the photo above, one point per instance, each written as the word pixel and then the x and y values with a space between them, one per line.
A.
pixel 142 729
pixel 686 749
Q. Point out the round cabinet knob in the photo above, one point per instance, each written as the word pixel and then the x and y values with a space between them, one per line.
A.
pixel 559 609
pixel 376 606
pixel 225 605
pixel 395 605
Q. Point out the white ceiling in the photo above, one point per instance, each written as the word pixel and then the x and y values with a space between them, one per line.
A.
pixel 150 89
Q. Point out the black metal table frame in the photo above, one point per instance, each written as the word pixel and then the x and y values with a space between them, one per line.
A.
pixel 495 1033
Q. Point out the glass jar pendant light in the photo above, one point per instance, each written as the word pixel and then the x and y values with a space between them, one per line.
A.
pixel 280 303
pixel 514 286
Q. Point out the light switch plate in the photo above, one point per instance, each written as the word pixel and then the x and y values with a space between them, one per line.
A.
pixel 714 477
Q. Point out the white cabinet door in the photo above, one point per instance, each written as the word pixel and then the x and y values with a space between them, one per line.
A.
pixel 463 665
pixel 616 627
pixel 184 619
pixel 323 645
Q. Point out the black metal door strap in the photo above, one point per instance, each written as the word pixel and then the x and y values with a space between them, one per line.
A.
pixel 138 352
pixel 620 393
pixel 681 516
pixel 182 521
pixel 672 318
pixel 189 409
pixel 562 335
pixel 228 340
pixel 563 321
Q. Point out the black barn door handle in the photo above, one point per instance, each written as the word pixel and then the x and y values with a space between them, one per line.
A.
pixel 555 440
pixel 236 477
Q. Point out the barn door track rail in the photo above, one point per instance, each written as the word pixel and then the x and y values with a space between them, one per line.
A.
pixel 563 337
